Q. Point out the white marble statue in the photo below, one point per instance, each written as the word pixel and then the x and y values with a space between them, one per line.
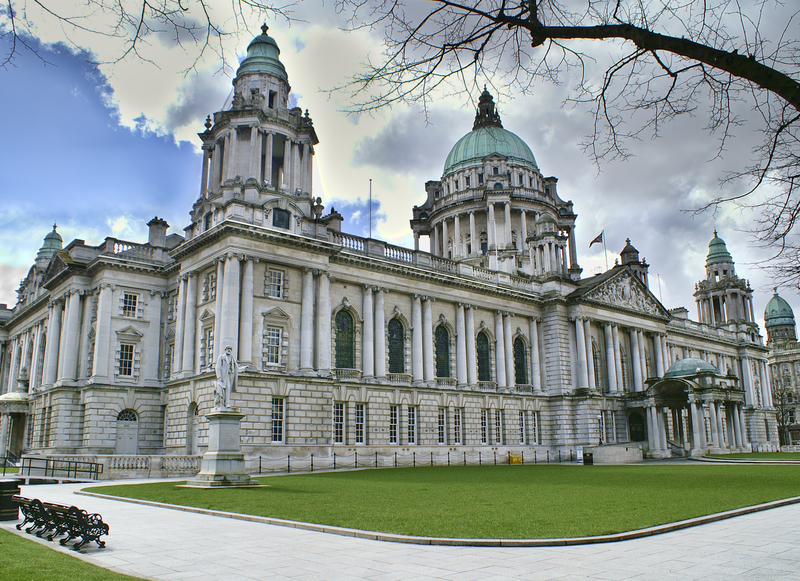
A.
pixel 228 370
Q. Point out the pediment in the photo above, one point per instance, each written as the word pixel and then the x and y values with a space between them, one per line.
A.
pixel 206 315
pixel 129 334
pixel 626 291
pixel 57 266
pixel 276 312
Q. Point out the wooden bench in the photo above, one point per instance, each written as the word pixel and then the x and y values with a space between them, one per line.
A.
pixel 53 520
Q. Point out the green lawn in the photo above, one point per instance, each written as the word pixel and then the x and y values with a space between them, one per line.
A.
pixel 759 456
pixel 495 501
pixel 26 560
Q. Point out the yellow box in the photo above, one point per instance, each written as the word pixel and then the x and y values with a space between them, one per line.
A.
pixel 515 458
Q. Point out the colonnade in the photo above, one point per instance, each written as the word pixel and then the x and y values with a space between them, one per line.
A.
pixel 720 307
pixel 23 351
pixel 549 256
pixel 223 159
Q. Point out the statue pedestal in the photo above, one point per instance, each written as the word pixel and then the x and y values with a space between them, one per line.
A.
pixel 223 464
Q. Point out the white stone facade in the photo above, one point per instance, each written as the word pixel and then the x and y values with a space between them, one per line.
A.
pixel 492 342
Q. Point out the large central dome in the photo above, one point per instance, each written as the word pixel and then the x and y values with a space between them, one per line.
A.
pixel 488 137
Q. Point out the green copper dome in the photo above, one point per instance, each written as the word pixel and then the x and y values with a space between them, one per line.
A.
pixel 717 251
pixel 488 137
pixel 263 56
pixel 52 243
pixel 690 366
pixel 778 312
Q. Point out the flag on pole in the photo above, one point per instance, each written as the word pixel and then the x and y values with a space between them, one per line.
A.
pixel 598 239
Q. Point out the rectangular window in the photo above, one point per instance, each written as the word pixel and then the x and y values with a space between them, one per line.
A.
pixel 456 185
pixel 466 179
pixel 412 425
pixel 129 305
pixel 275 284
pixel 457 429
pixel 484 427
pixel 361 424
pixel 480 179
pixel 521 180
pixel 534 427
pixel 210 287
pixel 443 425
pixel 280 218
pixel 277 419
pixel 338 423
pixel 393 424
pixel 498 426
pixel 207 349
pixel 272 345
pixel 126 359
pixel 522 438
pixel 495 171
pixel 169 359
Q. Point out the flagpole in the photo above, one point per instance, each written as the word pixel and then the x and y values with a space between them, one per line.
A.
pixel 605 252
pixel 370 208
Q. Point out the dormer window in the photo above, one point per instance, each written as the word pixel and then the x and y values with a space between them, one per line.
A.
pixel 495 171
pixel 207 221
pixel 280 218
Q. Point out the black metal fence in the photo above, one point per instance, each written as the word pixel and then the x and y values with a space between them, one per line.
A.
pixel 52 468
pixel 311 462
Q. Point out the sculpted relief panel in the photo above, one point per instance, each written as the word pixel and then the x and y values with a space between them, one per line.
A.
pixel 624 292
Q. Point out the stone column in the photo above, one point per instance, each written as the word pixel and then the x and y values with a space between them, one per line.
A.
pixel 475 244
pixel 102 338
pixel 499 350
pixel 216 164
pixel 427 338
pixel 472 369
pixel 461 346
pixel 507 225
pixel 715 434
pixel 380 335
pixel 252 169
pixel 587 325
pixel 246 314
pixel 536 372
pixel 308 168
pixel 457 251
pixel 573 252
pixel 211 358
pixel 523 217
pixel 580 343
pixel 509 349
pixel 416 241
pixel 72 336
pixel 747 380
pixel 296 166
pixel 611 367
pixel 180 321
pixel 368 340
pixel 268 159
pixel 234 137
pixel 83 356
pixel 416 341
pixel 204 177
pixel 720 427
pixel 697 439
pixel 642 356
pixel 637 365
pixel 324 325
pixel 742 425
pixel 737 429
pixel 4 431
pixel 307 322
pixel 287 164
pixel 435 241
pixel 153 349
pixel 766 383
pixel 491 227
pixel 230 306
pixel 189 317
pixel 659 355
pixel 652 430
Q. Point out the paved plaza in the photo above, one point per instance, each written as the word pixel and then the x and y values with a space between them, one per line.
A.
pixel 168 544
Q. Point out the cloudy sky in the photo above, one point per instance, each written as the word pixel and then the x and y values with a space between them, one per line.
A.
pixel 102 150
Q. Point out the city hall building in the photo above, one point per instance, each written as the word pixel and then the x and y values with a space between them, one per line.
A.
pixel 492 341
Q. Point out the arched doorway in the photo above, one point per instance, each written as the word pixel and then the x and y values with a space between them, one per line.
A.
pixel 127 433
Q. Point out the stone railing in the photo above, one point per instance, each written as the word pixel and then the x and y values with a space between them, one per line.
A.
pixel 487 386
pixel 121 467
pixel 399 253
pixel 446 382
pixel 347 374
pixel 132 251
pixel 399 378
pixel 351 242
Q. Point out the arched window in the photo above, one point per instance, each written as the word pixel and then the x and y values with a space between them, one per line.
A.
pixel 127 416
pixel 498 185
pixel 397 347
pixel 520 362
pixel 484 369
pixel 345 341
pixel 442 352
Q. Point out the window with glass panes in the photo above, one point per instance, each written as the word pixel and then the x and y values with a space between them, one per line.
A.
pixel 534 430
pixel 393 424
pixel 280 218
pixel 361 424
pixel 129 302
pixel 412 425
pixel 457 436
pixel 522 426
pixel 338 423
pixel 125 359
pixel 484 369
pixel 442 352
pixel 278 412
pixel 345 341
pixel 397 347
pixel 443 425
pixel 272 345
pixel 275 284
pixel 520 363
pixel 498 426
pixel 484 427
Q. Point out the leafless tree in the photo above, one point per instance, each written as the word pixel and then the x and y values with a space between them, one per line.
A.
pixel 199 26
pixel 638 65
pixel 784 399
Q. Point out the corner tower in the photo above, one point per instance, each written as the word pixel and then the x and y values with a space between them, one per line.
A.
pixel 779 321
pixel 724 299
pixel 492 207
pixel 257 152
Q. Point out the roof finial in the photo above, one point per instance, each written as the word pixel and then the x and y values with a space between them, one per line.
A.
pixel 55 225
pixel 715 233
pixel 264 29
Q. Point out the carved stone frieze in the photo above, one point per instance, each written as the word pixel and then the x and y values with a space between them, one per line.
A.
pixel 624 291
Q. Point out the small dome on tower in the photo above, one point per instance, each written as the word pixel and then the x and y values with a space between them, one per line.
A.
pixel 263 55
pixel 717 251
pixel 629 254
pixel 778 312
pixel 52 243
